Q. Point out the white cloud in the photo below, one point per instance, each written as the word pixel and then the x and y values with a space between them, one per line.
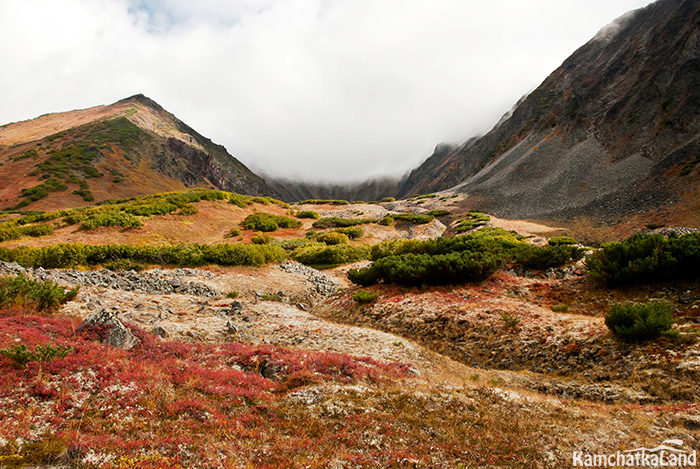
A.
pixel 320 89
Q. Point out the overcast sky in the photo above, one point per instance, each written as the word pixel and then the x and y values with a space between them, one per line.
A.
pixel 314 89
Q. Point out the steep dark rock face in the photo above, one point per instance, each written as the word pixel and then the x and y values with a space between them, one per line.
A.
pixel 614 131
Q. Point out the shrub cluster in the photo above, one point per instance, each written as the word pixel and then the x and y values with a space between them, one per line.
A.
pixel 413 218
pixel 646 258
pixel 268 222
pixel 388 220
pixel 323 202
pixel 638 322
pixel 471 257
pixel 332 238
pixel 70 255
pixel 418 269
pixel 45 296
pixel 471 221
pixel 15 232
pixel 308 214
pixel 558 240
pixel 364 296
pixel 352 232
pixel 21 355
pixel 335 222
pixel 111 218
pixel 439 213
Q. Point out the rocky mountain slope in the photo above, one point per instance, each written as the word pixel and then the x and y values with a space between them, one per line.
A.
pixel 614 133
pixel 129 148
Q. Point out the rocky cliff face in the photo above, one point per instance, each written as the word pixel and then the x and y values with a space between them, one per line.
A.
pixel 612 132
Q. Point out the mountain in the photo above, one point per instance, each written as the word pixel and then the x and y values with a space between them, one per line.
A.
pixel 129 148
pixel 613 134
pixel 370 190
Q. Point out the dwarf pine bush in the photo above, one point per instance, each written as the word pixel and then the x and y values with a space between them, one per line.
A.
pixel 638 322
pixel 646 258
pixel 46 296
pixel 268 222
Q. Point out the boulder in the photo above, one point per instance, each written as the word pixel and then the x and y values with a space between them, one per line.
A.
pixel 117 333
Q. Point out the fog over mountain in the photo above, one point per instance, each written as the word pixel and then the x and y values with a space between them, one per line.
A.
pixel 319 90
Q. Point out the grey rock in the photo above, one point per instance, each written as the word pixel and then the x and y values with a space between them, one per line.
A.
pixel 118 336
pixel 688 298
pixel 159 331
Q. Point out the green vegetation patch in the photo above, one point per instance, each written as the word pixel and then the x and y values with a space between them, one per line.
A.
pixel 320 254
pixel 471 221
pixel 413 218
pixel 364 296
pixel 467 258
pixel 332 238
pixel 559 240
pixel 439 213
pixel 637 322
pixel 352 232
pixel 308 214
pixel 323 202
pixel 335 222
pixel 646 258
pixel 44 296
pixel 71 255
pixel 269 222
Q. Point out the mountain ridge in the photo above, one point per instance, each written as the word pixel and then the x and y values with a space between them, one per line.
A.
pixel 600 133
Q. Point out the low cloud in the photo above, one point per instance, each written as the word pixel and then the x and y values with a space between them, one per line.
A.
pixel 313 89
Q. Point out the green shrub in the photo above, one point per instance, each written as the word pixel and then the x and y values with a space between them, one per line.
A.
pixel 308 214
pixel 15 232
pixel 292 244
pixel 320 254
pixel 157 207
pixel 465 258
pixel 471 221
pixel 233 232
pixel 425 196
pixel 646 258
pixel 638 322
pixel 559 240
pixel 268 222
pixel 188 209
pixel 121 265
pixel 38 230
pixel 352 232
pixel 387 199
pixel 438 213
pixel 387 220
pixel 100 219
pixel 43 353
pixel 419 269
pixel 232 294
pixel 262 239
pixel 334 222
pixel 311 234
pixel 510 321
pixel 332 238
pixel 85 194
pixel 71 255
pixel 323 202
pixel 413 218
pixel 560 308
pixel 364 296
pixel 46 296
